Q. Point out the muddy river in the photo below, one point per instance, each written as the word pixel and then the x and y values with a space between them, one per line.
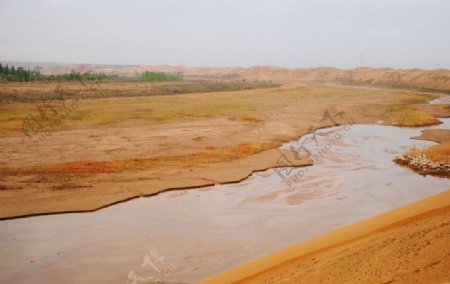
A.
pixel 187 235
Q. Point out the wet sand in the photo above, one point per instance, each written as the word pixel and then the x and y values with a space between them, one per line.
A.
pixel 87 197
pixel 409 244
pixel 437 134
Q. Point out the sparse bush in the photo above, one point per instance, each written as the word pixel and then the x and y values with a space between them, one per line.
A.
pixel 159 76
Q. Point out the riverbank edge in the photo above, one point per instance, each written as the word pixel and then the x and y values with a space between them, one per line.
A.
pixel 280 260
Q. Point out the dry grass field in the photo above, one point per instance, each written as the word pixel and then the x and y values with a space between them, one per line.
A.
pixel 91 151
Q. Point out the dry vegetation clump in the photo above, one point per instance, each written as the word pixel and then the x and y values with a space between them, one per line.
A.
pixel 439 153
pixel 434 160
pixel 410 116
pixel 247 118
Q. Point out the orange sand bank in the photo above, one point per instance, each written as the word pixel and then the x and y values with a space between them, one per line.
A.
pixel 410 244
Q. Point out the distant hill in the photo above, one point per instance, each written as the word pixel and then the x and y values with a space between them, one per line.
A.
pixel 414 78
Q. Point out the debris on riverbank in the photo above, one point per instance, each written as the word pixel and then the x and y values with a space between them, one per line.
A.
pixel 425 164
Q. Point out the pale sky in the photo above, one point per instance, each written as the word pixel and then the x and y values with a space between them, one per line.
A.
pixel 286 33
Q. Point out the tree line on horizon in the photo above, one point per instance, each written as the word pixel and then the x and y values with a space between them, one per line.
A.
pixel 20 74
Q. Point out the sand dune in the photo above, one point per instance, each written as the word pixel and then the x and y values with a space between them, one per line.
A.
pixel 415 78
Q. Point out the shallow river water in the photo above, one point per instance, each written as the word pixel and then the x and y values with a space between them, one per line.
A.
pixel 187 235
